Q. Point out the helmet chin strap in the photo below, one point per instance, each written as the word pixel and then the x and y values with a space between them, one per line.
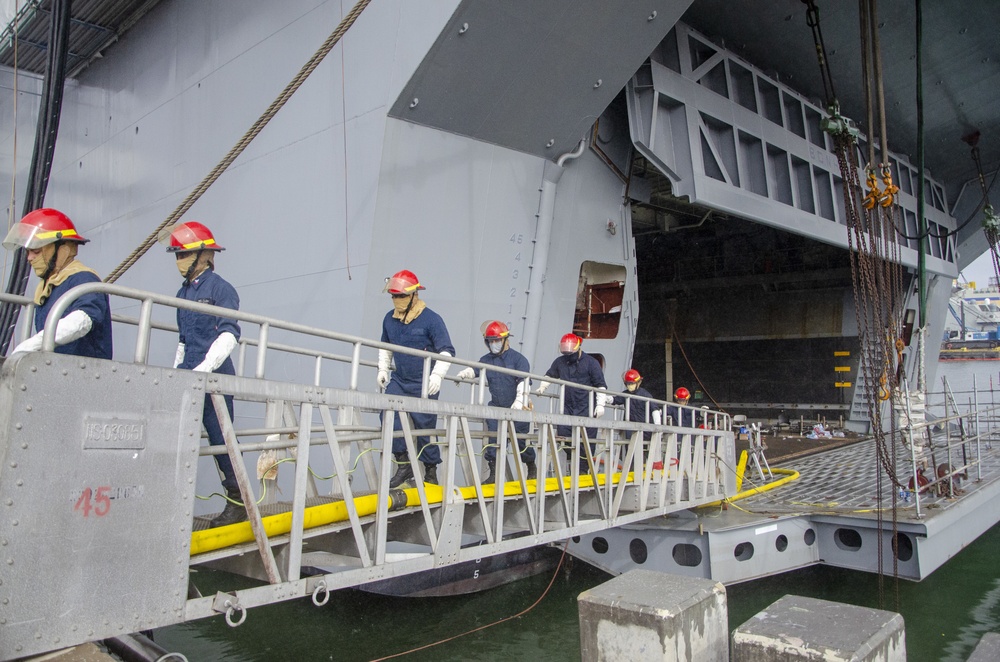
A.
pixel 51 267
pixel 194 265
pixel 409 306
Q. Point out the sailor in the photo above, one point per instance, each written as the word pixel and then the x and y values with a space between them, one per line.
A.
pixel 681 416
pixel 412 324
pixel 637 408
pixel 580 368
pixel 206 341
pixel 505 391
pixel 50 241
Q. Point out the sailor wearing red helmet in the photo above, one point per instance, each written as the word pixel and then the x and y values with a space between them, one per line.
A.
pixel 637 408
pixel 206 341
pixel 681 416
pixel 581 368
pixel 50 241
pixel 505 391
pixel 412 324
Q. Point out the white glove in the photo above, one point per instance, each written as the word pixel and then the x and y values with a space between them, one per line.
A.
pixel 219 351
pixel 519 398
pixel 437 374
pixel 32 344
pixel 541 388
pixel 384 361
pixel 466 373
pixel 657 416
pixel 179 356
pixel 75 325
pixel 598 411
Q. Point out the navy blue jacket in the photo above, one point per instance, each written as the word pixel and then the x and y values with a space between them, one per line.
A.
pixel 97 342
pixel 199 331
pixel 584 370
pixel 503 387
pixel 636 408
pixel 427 333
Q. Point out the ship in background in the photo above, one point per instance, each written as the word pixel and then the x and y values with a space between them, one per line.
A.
pixel 650 175
pixel 970 333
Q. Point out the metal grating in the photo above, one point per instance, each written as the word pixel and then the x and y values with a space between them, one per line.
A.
pixel 95 25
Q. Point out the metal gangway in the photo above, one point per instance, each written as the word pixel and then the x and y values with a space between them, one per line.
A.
pixel 99 463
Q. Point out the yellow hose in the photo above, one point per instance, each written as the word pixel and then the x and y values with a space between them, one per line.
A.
pixel 789 476
pixel 276 525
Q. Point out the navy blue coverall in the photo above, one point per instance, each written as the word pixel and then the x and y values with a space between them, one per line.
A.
pixel 503 390
pixel 428 333
pixel 581 368
pixel 198 331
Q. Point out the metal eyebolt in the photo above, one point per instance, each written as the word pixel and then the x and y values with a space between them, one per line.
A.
pixel 230 608
pixel 326 594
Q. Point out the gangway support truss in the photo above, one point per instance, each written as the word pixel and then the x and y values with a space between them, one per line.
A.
pixel 99 460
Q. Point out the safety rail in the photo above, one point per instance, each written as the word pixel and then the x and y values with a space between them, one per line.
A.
pixel 134 476
pixel 949 446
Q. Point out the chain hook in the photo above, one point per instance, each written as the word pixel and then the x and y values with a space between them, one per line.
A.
pixel 874 194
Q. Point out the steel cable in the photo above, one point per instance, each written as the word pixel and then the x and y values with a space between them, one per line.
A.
pixel 247 138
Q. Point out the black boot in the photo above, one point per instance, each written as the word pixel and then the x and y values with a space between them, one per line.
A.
pixel 404 471
pixel 233 512
pixel 491 466
pixel 532 471
pixel 431 474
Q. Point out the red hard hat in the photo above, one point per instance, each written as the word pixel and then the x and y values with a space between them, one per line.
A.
pixel 188 236
pixel 632 377
pixel 682 393
pixel 496 330
pixel 40 228
pixel 570 343
pixel 403 282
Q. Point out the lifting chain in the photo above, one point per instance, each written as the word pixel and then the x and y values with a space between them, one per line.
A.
pixel 873 243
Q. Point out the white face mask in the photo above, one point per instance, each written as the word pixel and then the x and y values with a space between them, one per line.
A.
pixel 496 346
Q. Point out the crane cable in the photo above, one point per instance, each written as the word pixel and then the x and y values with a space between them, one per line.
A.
pixel 991 222
pixel 247 138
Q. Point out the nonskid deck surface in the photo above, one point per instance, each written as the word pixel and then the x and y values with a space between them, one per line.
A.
pixel 843 481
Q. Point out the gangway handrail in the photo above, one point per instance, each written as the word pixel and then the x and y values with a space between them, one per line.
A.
pixel 618 476
pixel 145 324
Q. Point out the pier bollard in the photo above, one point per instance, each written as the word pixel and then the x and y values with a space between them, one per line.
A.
pixel 798 628
pixel 988 649
pixel 646 615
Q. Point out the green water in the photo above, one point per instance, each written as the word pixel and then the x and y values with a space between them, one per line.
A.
pixel 945 616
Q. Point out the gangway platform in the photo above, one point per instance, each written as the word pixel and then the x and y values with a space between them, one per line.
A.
pixel 830 513
pixel 100 463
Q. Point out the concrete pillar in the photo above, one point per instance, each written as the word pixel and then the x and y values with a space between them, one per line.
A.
pixel 988 649
pixel 798 628
pixel 646 615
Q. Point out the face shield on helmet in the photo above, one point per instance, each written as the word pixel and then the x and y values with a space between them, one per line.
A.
pixel 570 343
pixel 632 379
pixel 495 335
pixel 41 228
pixel 188 236
pixel 402 283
